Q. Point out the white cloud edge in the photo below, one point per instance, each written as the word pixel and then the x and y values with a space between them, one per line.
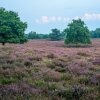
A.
pixel 56 19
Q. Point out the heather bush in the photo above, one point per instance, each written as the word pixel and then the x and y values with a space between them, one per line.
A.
pixel 74 93
pixel 60 69
pixel 79 67
pixel 28 63
pixel 59 62
pixel 84 80
pixel 4 80
pixel 40 83
pixel 83 54
pixel 50 55
pixel 66 77
pixel 98 88
pixel 52 76
pixel 95 79
pixel 52 86
pixel 96 61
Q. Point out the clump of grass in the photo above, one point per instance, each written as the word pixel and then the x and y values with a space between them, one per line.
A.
pixel 7 49
pixel 40 83
pixel 52 77
pixel 28 63
pixel 60 69
pixel 45 85
pixel 52 86
pixel 95 79
pixel 74 93
pixel 96 61
pixel 79 67
pixel 36 58
pixel 50 55
pixel 84 80
pixel 83 54
pixel 98 88
pixel 59 62
pixel 66 77
pixel 5 80
pixel 48 63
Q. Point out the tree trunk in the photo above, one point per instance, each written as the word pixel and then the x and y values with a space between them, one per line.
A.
pixel 3 43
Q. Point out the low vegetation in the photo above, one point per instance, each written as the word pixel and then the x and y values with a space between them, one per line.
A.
pixel 41 69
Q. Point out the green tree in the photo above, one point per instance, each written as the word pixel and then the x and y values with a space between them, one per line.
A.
pixel 32 35
pixel 77 32
pixel 96 33
pixel 11 27
pixel 55 35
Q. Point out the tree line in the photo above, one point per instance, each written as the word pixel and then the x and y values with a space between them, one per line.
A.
pixel 57 35
pixel 12 30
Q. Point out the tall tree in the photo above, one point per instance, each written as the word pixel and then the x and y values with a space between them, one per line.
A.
pixel 11 27
pixel 77 32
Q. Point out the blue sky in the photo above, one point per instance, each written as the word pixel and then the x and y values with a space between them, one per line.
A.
pixel 43 15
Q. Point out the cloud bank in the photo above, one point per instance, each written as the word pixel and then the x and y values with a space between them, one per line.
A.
pixel 57 19
pixel 51 19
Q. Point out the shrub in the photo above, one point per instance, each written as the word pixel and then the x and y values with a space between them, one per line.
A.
pixel 84 80
pixel 95 79
pixel 66 77
pixel 40 83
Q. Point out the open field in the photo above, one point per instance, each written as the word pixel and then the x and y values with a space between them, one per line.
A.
pixel 46 70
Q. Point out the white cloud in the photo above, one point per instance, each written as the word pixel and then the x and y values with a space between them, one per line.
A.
pixel 91 16
pixel 56 19
pixel 44 19
pixel 51 19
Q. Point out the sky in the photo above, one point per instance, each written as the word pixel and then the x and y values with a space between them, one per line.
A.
pixel 44 15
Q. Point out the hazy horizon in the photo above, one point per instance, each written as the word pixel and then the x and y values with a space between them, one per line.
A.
pixel 44 15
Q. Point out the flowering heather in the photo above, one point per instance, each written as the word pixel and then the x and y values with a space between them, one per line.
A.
pixel 47 70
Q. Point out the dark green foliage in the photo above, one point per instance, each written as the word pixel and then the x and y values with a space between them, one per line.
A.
pixel 34 35
pixel 96 33
pixel 11 27
pixel 77 32
pixel 55 35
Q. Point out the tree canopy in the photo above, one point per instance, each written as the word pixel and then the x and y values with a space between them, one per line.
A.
pixel 34 35
pixel 55 35
pixel 11 27
pixel 96 33
pixel 77 32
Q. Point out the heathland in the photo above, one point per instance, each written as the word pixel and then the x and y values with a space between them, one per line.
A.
pixel 48 70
